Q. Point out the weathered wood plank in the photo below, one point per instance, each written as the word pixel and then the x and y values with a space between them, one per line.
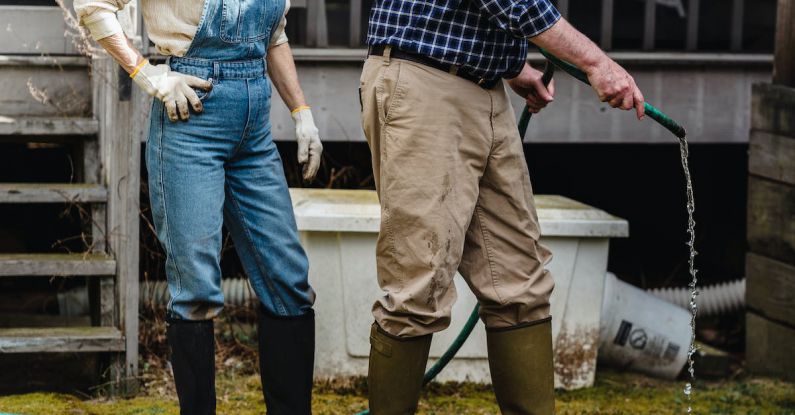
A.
pixel 770 288
pixel 316 23
pixel 61 339
pixel 773 109
pixel 649 24
pixel 737 25
pixel 102 296
pixel 34 30
pixel 43 61
pixel 87 264
pixel 768 347
pixel 52 193
pixel 771 219
pixel 693 9
pixel 772 156
pixel 643 59
pixel 47 126
pixel 27 319
pixel 606 40
pixel 784 66
pixel 563 8
pixel 44 86
pixel 354 38
pixel 120 154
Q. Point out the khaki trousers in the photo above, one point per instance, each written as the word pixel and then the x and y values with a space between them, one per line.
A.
pixel 455 195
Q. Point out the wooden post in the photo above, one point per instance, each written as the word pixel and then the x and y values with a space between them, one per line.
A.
pixel 737 25
pixel 770 263
pixel 317 23
pixel 693 8
pixel 784 64
pixel 563 8
pixel 606 41
pixel 649 24
pixel 355 13
pixel 120 158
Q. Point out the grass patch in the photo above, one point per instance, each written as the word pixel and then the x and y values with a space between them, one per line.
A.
pixel 613 394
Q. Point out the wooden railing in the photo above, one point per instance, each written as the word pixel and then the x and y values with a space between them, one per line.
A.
pixel 322 23
pixel 693 16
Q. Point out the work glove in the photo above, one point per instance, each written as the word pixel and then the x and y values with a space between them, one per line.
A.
pixel 309 147
pixel 173 88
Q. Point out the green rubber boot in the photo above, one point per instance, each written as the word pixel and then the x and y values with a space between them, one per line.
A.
pixel 522 375
pixel 397 366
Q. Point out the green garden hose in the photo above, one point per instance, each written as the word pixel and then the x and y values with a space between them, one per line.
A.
pixel 524 120
pixel 651 110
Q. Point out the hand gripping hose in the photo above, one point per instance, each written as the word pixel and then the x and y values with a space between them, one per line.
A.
pixel 651 110
pixel 524 120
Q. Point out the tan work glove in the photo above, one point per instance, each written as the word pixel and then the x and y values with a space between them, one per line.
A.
pixel 309 146
pixel 173 88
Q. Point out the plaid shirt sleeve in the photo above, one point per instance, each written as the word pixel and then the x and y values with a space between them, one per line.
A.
pixel 520 18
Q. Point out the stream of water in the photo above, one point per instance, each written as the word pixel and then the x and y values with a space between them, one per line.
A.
pixel 691 230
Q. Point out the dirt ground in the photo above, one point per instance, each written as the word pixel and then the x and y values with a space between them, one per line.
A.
pixel 614 393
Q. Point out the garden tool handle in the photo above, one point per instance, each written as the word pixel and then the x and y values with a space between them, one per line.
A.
pixel 546 78
pixel 652 111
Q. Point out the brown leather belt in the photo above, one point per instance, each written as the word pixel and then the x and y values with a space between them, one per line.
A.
pixel 424 60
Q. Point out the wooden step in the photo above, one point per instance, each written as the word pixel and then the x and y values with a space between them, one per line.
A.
pixel 61 340
pixel 52 193
pixel 38 126
pixel 52 86
pixel 62 265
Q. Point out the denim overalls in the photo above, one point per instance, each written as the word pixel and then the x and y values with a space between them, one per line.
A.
pixel 222 166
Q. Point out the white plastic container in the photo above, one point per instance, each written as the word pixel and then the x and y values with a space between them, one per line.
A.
pixel 339 229
pixel 641 332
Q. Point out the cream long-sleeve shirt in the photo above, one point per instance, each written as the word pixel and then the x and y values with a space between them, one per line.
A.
pixel 171 24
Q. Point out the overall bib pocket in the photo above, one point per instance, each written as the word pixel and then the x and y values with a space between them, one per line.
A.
pixel 248 20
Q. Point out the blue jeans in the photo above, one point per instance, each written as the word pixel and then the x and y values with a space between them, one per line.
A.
pixel 222 166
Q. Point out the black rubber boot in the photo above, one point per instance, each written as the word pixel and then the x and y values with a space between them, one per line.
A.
pixel 522 374
pixel 193 362
pixel 286 362
pixel 397 366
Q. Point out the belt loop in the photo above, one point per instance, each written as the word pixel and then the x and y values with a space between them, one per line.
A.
pixel 216 70
pixel 265 66
pixel 387 52
pixel 454 69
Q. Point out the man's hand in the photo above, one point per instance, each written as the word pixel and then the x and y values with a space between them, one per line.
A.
pixel 610 81
pixel 615 86
pixel 529 86
pixel 309 147
pixel 173 88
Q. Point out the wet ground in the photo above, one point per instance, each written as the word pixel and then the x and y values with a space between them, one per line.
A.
pixel 614 393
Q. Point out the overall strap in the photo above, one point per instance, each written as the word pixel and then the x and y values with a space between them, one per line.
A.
pixel 210 14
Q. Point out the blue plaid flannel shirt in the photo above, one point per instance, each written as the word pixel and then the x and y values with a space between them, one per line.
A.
pixel 486 38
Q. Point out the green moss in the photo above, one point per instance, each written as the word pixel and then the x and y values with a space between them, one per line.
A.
pixel 613 394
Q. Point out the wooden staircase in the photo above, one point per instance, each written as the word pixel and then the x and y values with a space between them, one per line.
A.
pixel 91 112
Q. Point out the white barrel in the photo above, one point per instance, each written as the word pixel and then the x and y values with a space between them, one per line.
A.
pixel 641 332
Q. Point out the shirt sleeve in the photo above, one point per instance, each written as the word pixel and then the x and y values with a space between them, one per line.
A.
pixel 279 36
pixel 520 18
pixel 99 16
